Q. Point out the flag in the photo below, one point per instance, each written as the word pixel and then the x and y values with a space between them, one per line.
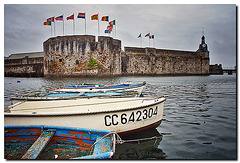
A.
pixel 151 37
pixel 94 17
pixel 81 15
pixel 47 23
pixel 50 19
pixel 112 22
pixel 105 18
pixel 140 35
pixel 110 27
pixel 108 31
pixel 70 17
pixel 147 35
pixel 60 18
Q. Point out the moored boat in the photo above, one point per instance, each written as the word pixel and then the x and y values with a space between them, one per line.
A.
pixel 47 142
pixel 124 87
pixel 64 96
pixel 122 115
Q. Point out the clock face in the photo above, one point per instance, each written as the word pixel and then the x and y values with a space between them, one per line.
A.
pixel 204 45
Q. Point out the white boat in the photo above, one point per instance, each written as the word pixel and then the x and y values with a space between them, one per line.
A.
pixel 65 96
pixel 124 87
pixel 122 115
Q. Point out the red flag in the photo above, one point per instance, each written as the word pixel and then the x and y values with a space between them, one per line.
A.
pixel 71 17
pixel 47 23
pixel 50 19
pixel 94 17
pixel 110 27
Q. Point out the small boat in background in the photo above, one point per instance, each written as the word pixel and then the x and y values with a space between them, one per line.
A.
pixel 122 115
pixel 124 87
pixel 65 96
pixel 83 91
pixel 46 142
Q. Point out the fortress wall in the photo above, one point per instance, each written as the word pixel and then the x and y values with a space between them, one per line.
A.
pixel 163 62
pixel 81 55
pixel 26 67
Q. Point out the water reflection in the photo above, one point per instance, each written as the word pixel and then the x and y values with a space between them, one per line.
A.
pixel 143 145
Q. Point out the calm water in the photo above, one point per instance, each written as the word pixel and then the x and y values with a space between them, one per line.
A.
pixel 199 119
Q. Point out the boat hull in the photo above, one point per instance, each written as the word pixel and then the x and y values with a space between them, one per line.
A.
pixel 122 121
pixel 49 142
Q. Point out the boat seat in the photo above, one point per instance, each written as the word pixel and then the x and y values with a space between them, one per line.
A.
pixel 39 145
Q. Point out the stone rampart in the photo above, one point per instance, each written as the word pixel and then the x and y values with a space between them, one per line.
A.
pixel 151 61
pixel 80 55
pixel 26 67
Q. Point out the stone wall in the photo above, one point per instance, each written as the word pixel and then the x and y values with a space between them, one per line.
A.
pixel 26 67
pixel 80 55
pixel 216 69
pixel 151 61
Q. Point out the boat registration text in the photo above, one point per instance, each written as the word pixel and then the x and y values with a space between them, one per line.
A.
pixel 125 118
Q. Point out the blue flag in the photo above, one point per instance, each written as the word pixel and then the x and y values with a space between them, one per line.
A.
pixel 107 31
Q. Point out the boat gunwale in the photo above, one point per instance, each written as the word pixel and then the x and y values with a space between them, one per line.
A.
pixel 46 127
pixel 85 113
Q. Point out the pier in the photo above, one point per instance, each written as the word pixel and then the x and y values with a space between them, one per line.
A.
pixel 230 70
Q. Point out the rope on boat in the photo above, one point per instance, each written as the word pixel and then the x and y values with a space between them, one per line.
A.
pixel 112 132
pixel 119 140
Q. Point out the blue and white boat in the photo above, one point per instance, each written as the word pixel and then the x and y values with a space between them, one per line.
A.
pixel 48 142
pixel 124 87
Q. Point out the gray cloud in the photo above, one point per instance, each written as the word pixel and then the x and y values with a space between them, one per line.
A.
pixel 176 27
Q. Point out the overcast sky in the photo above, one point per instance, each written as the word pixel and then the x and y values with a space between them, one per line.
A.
pixel 177 27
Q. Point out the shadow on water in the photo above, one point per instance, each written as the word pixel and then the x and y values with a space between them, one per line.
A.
pixel 144 145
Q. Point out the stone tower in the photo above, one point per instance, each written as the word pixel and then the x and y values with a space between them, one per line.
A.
pixel 204 53
pixel 80 55
pixel 203 46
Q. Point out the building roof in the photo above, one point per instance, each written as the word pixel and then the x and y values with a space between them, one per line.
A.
pixel 23 55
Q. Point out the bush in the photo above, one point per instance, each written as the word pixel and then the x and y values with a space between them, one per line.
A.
pixel 92 63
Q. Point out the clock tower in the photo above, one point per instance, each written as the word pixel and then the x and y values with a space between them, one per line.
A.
pixel 203 46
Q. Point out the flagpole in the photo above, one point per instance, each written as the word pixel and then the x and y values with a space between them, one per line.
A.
pixel 63 24
pixel 73 25
pixel 141 41
pixel 54 26
pixel 98 24
pixel 51 28
pixel 149 39
pixel 85 23
pixel 115 29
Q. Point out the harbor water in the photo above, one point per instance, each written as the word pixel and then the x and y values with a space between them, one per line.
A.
pixel 199 121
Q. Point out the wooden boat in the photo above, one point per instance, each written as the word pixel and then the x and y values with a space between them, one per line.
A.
pixel 123 115
pixel 64 96
pixel 125 87
pixel 46 142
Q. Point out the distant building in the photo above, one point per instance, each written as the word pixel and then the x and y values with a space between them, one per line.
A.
pixel 24 65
